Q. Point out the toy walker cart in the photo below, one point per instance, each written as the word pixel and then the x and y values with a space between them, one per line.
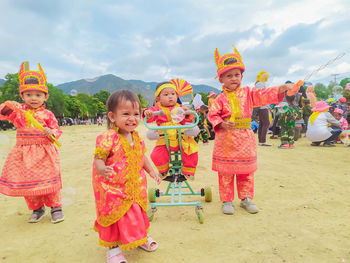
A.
pixel 178 185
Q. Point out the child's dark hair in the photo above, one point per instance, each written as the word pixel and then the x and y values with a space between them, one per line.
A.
pixel 119 96
pixel 290 99
pixel 203 107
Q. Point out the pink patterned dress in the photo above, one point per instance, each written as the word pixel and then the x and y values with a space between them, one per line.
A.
pixel 235 151
pixel 32 168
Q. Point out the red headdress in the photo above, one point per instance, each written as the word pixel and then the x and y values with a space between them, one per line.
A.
pixel 25 73
pixel 228 61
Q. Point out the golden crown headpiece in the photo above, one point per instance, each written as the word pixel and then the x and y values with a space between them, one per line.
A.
pixel 25 73
pixel 228 61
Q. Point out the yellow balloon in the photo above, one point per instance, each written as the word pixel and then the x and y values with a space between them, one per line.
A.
pixel 263 76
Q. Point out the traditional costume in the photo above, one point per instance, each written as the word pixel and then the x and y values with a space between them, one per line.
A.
pixel 160 153
pixel 286 121
pixel 203 128
pixel 211 98
pixel 235 151
pixel 121 201
pixel 32 168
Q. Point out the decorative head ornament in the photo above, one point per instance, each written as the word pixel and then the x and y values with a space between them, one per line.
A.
pixel 25 73
pixel 228 61
pixel 262 76
pixel 182 87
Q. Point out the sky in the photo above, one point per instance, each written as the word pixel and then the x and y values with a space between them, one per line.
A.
pixel 159 40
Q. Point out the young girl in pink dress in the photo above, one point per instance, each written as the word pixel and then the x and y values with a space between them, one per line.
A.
pixel 119 180
pixel 32 168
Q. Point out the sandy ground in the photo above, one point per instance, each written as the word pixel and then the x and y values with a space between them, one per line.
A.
pixel 303 195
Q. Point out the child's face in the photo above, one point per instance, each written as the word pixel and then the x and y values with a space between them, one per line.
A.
pixel 337 115
pixel 231 79
pixel 167 97
pixel 203 111
pixel 126 116
pixel 34 98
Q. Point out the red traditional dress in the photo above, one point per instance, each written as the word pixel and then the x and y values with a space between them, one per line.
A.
pixel 160 154
pixel 235 151
pixel 32 168
pixel 121 200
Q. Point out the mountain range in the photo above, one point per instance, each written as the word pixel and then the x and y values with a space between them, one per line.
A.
pixel 1 81
pixel 112 83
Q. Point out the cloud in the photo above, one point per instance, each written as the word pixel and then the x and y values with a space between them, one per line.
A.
pixel 157 40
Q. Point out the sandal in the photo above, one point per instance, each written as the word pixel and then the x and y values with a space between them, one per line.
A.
pixel 264 144
pixel 115 255
pixel 56 214
pixel 148 245
pixel 37 215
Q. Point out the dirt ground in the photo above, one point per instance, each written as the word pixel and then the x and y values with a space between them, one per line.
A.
pixel 302 193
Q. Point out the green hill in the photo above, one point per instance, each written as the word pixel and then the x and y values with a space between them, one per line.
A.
pixel 112 83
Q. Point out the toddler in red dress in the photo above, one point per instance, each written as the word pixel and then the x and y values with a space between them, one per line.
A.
pixel 32 168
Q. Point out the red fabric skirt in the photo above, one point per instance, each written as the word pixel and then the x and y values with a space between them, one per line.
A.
pixel 129 232
pixel 50 200
pixel 160 158
pixel 32 168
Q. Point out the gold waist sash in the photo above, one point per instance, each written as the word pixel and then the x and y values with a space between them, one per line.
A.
pixel 242 123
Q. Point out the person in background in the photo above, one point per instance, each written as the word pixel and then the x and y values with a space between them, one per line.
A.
pixel 342 104
pixel 255 124
pixel 338 115
pixel 203 134
pixel 289 113
pixel 311 95
pixel 322 126
pixel 211 97
pixel 306 112
pixel 263 111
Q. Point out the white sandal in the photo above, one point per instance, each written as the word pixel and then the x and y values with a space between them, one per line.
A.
pixel 115 255
pixel 148 245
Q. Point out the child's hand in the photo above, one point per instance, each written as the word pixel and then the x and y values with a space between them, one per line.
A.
pixel 148 113
pixel 227 125
pixel 47 132
pixel 16 104
pixel 156 177
pixel 106 172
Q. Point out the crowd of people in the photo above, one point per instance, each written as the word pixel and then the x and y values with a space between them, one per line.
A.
pixel 32 168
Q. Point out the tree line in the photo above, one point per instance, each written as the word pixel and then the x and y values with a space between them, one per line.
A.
pixel 84 106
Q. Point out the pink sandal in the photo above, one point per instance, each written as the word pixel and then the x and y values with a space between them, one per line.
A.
pixel 115 255
pixel 148 245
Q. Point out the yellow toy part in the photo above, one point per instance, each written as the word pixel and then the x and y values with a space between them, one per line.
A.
pixel 262 76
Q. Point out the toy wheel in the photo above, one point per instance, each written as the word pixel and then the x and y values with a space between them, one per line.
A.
pixel 152 195
pixel 208 196
pixel 157 193
pixel 202 192
pixel 200 216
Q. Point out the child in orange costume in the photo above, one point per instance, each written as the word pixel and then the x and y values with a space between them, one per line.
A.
pixel 119 180
pixel 32 168
pixel 166 99
pixel 235 151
